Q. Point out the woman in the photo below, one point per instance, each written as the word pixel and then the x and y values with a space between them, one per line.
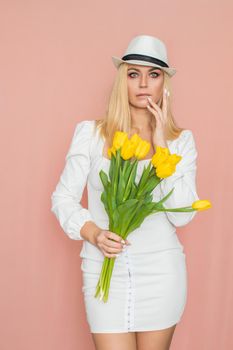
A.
pixel 149 284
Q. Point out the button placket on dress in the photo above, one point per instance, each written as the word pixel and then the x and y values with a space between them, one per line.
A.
pixel 130 297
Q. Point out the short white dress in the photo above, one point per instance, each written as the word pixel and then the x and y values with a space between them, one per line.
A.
pixel 148 289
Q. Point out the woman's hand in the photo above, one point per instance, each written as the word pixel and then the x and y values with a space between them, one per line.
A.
pixel 161 120
pixel 110 243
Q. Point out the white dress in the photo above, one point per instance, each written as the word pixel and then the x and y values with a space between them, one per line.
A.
pixel 148 289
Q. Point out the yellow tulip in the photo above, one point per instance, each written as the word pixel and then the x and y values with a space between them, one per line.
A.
pixel 201 204
pixel 161 155
pixel 119 139
pixel 142 149
pixel 135 139
pixel 174 158
pixel 165 169
pixel 127 150
pixel 111 151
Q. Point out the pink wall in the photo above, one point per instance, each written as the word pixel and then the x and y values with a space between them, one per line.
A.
pixel 56 69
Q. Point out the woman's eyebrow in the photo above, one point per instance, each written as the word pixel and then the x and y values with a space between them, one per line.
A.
pixel 149 70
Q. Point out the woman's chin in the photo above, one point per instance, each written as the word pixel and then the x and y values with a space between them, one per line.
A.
pixel 143 103
pixel 140 104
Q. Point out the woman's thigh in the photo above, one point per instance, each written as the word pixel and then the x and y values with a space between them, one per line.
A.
pixel 155 340
pixel 115 341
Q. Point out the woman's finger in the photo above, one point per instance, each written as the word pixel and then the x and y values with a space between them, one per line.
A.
pixel 112 249
pixel 153 104
pixel 114 236
pixel 113 244
pixel 152 107
pixel 155 114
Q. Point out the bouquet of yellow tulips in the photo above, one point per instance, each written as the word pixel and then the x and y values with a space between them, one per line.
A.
pixel 128 203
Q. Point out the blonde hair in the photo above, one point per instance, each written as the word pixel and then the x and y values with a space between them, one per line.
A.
pixel 117 116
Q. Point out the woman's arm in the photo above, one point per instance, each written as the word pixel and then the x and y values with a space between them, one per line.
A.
pixel 183 180
pixel 69 190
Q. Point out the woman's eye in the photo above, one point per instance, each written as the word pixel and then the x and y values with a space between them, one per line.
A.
pixel 130 74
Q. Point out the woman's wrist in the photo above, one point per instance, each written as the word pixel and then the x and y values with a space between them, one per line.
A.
pixel 89 232
pixel 160 142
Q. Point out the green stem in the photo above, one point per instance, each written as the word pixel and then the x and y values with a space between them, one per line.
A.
pixel 109 275
pixel 102 277
pixel 104 285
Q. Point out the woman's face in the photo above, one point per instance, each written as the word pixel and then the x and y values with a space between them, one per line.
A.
pixel 144 80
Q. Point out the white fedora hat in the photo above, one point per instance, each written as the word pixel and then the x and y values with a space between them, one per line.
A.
pixel 146 50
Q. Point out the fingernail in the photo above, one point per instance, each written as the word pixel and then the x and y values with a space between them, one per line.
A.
pixel 122 241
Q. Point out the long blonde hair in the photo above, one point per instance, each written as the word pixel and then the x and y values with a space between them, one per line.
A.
pixel 117 116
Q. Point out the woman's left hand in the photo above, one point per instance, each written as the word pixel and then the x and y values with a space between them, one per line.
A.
pixel 161 119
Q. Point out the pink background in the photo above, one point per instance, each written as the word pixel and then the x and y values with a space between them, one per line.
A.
pixel 55 70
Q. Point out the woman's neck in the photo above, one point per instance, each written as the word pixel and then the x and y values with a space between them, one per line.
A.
pixel 140 119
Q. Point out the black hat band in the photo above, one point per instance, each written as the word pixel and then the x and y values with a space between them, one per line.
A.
pixel 144 58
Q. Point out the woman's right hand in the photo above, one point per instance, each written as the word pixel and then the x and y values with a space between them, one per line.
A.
pixel 110 243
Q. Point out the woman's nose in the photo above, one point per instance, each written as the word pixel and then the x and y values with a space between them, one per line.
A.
pixel 143 80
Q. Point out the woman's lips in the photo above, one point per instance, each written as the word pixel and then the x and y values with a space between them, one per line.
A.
pixel 142 96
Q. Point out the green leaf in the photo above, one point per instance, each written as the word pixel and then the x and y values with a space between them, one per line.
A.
pixel 165 197
pixel 145 175
pixel 125 211
pixel 104 199
pixel 112 167
pixel 133 191
pixel 111 202
pixel 131 180
pixel 148 198
pixel 125 165
pixel 116 219
pixel 128 165
pixel 138 218
pixel 121 187
pixel 151 183
pixel 104 178
pixel 115 180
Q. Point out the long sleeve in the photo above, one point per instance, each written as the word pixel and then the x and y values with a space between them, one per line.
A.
pixel 69 190
pixel 183 180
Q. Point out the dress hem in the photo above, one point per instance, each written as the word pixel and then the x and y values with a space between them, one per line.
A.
pixel 139 330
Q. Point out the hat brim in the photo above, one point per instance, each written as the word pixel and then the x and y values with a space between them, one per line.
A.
pixel 117 61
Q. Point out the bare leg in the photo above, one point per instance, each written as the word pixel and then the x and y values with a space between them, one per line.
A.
pixel 115 341
pixel 155 340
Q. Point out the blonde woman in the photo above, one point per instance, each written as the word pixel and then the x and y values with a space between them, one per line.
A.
pixel 148 289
